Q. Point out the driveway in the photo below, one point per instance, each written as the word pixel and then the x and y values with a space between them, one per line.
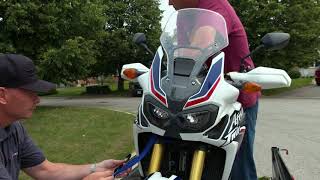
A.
pixel 127 104
pixel 290 121
pixel 308 92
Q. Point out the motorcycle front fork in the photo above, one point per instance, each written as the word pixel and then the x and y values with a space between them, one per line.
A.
pixel 198 160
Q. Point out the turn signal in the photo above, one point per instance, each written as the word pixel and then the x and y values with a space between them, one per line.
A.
pixel 130 73
pixel 251 87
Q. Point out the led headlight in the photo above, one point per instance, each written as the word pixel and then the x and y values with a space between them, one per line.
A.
pixel 195 120
pixel 158 112
pixel 174 118
pixel 192 119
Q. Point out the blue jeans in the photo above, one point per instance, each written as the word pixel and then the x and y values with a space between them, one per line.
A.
pixel 244 167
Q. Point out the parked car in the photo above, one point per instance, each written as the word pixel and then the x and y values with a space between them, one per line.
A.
pixel 135 89
pixel 317 76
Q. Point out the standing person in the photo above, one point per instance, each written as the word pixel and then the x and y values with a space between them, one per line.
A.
pixel 244 166
pixel 18 99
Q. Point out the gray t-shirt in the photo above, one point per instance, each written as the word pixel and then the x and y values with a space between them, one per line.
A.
pixel 17 151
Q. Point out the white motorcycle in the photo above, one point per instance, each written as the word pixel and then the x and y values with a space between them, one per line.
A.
pixel 189 123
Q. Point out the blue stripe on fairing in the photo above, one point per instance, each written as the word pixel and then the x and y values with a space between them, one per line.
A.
pixel 156 66
pixel 212 76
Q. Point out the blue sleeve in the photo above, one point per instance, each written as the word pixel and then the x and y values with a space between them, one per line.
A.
pixel 30 154
pixel 4 175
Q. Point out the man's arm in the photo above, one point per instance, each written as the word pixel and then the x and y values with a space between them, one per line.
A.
pixel 203 37
pixel 48 170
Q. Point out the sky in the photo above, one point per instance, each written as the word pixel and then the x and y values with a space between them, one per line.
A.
pixel 164 5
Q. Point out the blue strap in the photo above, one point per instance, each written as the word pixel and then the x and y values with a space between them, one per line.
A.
pixel 136 159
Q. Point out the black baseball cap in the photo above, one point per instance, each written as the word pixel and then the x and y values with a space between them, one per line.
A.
pixel 18 71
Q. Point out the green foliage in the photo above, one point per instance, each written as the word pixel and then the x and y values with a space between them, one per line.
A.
pixel 71 61
pixel 97 89
pixel 71 39
pixel 58 35
pixel 264 178
pixel 70 91
pixel 294 73
pixel 51 92
pixel 299 18
pixel 124 19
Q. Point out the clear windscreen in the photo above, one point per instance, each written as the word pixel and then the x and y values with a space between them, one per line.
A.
pixel 190 38
pixel 193 32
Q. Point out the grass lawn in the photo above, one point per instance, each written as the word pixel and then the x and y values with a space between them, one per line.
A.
pixel 296 83
pixel 81 135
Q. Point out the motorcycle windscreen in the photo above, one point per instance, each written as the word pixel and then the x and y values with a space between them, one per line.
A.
pixel 190 38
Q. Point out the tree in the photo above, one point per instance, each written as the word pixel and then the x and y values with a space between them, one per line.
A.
pixel 124 18
pixel 39 29
pixel 299 18
pixel 97 34
pixel 71 61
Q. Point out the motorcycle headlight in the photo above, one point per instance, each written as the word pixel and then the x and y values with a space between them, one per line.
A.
pixel 159 113
pixel 195 121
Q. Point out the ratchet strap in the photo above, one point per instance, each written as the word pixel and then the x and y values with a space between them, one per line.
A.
pixel 152 140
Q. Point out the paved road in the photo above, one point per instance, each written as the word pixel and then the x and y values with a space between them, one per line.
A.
pixel 127 104
pixel 291 121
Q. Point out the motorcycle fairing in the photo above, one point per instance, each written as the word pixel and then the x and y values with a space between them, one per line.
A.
pixel 155 78
pixel 210 83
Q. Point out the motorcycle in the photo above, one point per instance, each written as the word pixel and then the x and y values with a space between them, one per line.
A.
pixel 189 116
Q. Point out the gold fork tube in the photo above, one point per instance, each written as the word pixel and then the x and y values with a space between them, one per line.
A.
pixel 156 157
pixel 197 165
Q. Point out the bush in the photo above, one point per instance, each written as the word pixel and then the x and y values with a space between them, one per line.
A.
pixel 98 89
pixel 294 74
pixel 53 91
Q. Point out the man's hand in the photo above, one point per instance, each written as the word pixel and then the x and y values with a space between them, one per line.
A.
pixel 111 165
pixel 105 175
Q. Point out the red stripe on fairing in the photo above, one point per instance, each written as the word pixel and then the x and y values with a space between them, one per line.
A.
pixel 203 99
pixel 161 98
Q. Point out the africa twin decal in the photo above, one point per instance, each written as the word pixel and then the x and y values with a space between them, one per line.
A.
pixel 234 128
pixel 209 85
pixel 155 78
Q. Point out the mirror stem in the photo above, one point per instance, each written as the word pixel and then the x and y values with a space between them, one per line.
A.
pixel 242 66
pixel 146 47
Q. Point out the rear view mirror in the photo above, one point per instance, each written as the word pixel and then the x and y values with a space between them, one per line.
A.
pixel 139 38
pixel 271 41
pixel 275 41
